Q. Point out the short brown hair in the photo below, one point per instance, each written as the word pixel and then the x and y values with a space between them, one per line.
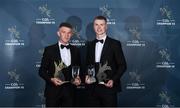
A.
pixel 101 18
pixel 65 24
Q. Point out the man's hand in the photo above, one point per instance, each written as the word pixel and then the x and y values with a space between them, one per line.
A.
pixel 87 79
pixel 109 84
pixel 56 81
pixel 77 81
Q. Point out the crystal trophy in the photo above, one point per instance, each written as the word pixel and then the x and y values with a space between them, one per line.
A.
pixel 75 72
pixel 101 75
pixel 58 70
pixel 91 74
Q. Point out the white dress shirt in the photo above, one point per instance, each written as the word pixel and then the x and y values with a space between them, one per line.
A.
pixel 98 48
pixel 65 55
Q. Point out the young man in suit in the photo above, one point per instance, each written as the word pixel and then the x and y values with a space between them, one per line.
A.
pixel 107 57
pixel 59 91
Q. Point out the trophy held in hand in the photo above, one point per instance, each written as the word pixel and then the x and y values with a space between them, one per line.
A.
pixel 90 78
pixel 58 70
pixel 101 75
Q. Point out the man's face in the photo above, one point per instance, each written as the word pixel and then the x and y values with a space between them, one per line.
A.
pixel 65 34
pixel 100 26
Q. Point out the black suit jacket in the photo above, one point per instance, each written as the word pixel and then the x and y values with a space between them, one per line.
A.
pixel 47 69
pixel 112 54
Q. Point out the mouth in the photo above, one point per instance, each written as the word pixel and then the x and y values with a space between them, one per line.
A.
pixel 99 30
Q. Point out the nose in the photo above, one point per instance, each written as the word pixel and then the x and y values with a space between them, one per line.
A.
pixel 67 35
pixel 98 27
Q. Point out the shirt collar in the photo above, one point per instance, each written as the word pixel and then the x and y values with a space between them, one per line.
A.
pixel 103 37
pixel 59 43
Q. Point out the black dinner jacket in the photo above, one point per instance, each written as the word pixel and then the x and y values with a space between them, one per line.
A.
pixel 112 54
pixel 47 69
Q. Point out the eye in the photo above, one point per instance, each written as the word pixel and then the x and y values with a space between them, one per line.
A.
pixel 96 24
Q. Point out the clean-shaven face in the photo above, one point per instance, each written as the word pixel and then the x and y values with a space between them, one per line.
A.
pixel 65 34
pixel 100 27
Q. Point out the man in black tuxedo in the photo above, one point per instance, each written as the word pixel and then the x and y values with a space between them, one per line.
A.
pixel 107 57
pixel 59 91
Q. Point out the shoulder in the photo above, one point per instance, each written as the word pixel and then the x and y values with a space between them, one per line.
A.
pixel 74 48
pixel 90 43
pixel 51 47
pixel 113 41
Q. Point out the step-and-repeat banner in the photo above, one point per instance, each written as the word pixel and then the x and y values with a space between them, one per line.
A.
pixel 148 30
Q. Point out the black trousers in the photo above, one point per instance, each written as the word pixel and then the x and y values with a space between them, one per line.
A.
pixel 65 98
pixel 101 97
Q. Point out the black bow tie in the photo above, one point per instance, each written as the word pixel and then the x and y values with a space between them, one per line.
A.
pixel 65 46
pixel 100 41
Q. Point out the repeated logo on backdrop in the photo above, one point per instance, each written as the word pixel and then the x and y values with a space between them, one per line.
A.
pixel 14 80
pixel 166 17
pixel 107 12
pixel 46 15
pixel 135 81
pixel 166 61
pixel 15 37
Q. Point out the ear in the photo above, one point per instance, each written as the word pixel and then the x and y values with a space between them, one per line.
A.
pixel 58 33
pixel 106 27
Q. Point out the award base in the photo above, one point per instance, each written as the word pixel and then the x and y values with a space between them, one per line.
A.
pixel 91 80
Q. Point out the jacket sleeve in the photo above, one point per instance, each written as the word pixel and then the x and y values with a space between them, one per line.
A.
pixel 45 63
pixel 120 61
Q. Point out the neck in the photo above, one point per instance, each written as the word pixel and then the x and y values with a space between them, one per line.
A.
pixel 101 36
pixel 64 43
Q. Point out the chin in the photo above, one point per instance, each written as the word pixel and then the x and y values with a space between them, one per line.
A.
pixel 100 33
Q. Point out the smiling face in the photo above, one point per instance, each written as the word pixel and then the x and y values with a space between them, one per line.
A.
pixel 100 27
pixel 65 34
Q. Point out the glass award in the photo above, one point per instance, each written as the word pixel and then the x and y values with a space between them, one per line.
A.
pixel 58 70
pixel 91 74
pixel 101 75
pixel 75 71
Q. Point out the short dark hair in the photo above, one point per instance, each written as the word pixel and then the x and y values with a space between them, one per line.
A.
pixel 65 24
pixel 100 18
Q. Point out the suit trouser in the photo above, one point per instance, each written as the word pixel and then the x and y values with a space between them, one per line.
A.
pixel 99 97
pixel 65 98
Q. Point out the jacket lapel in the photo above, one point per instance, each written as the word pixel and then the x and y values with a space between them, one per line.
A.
pixel 57 52
pixel 71 51
pixel 93 51
pixel 104 50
